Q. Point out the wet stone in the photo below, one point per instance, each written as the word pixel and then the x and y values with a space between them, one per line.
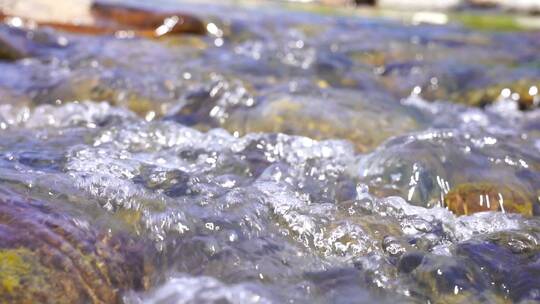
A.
pixel 448 280
pixel 11 46
pixel 344 114
pixel 47 257
pixel 18 43
pixel 104 18
pixel 514 274
pixel 523 92
pixel 147 20
pixel 442 170
pixel 477 197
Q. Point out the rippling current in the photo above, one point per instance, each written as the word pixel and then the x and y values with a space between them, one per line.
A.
pixel 286 157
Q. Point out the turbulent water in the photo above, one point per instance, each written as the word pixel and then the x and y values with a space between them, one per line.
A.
pixel 290 157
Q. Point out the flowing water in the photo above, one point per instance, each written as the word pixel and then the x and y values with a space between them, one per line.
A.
pixel 285 157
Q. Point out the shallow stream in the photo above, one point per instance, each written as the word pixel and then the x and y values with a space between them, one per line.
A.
pixel 285 157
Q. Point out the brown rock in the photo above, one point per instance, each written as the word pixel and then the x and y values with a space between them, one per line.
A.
pixel 477 197
pixel 526 92
pixel 104 19
pixel 46 257
pixel 12 45
pixel 147 22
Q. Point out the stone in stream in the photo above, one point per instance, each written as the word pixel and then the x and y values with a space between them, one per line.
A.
pixel 146 21
pixel 451 168
pixel 447 280
pixel 18 43
pixel 101 18
pixel 47 257
pixel 476 197
pixel 513 270
pixel 323 119
pixel 525 92
pixel 91 87
pixel 12 47
pixel 364 120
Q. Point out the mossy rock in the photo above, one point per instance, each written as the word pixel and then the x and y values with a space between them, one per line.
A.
pixel 21 271
pixel 46 257
pixel 478 197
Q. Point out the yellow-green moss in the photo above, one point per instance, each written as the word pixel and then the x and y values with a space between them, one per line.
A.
pixel 12 268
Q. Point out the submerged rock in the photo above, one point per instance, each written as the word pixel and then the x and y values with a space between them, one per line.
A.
pixel 525 92
pixel 514 273
pixel 448 280
pixel 427 167
pixel 477 197
pixel 365 120
pixel 18 43
pixel 48 257
pixel 11 47
pixel 324 119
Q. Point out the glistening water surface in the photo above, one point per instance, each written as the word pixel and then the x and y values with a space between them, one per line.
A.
pixel 284 157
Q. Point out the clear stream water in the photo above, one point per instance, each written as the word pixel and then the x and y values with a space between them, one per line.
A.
pixel 290 157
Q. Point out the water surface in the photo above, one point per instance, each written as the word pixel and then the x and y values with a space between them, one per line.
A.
pixel 289 156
